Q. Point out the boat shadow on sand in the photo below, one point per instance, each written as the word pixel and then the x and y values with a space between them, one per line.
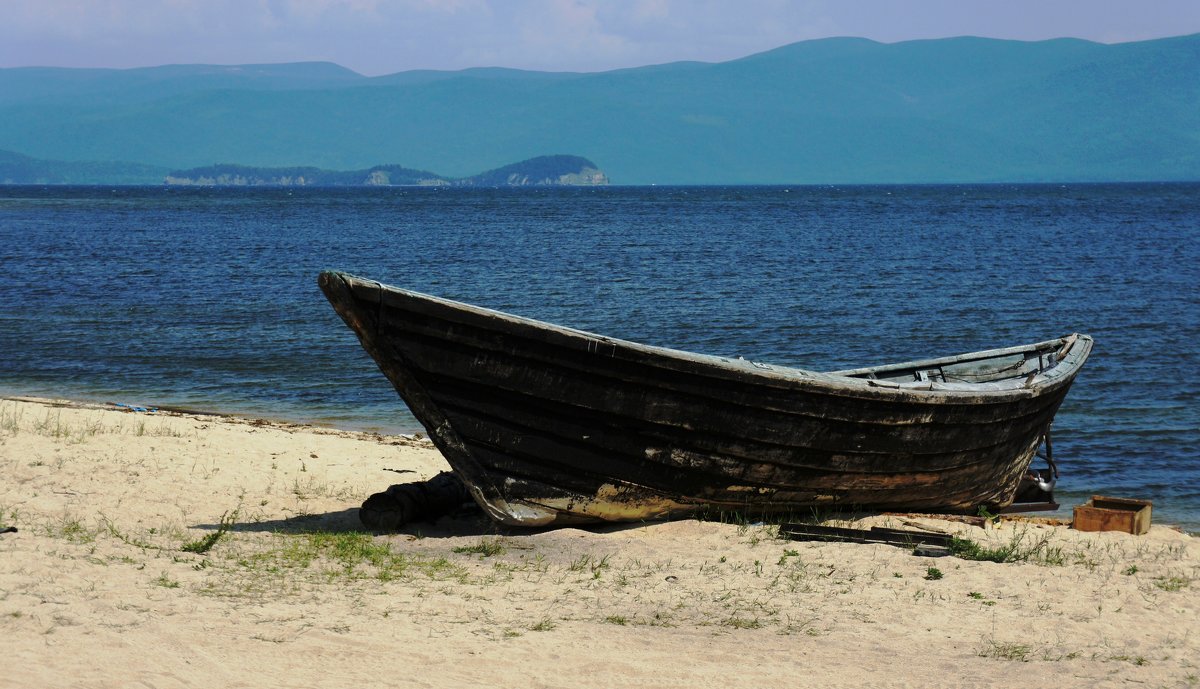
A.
pixel 470 522
pixel 467 521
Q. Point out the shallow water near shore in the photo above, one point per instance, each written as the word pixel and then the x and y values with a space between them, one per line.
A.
pixel 207 298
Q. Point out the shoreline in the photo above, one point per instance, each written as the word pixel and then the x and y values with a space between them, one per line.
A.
pixel 181 550
pixel 380 426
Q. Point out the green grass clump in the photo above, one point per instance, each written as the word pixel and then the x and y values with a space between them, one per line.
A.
pixel 1006 650
pixel 1175 583
pixel 10 418
pixel 73 530
pixel 205 544
pixel 588 562
pixel 743 623
pixel 1016 550
pixel 347 555
pixel 486 547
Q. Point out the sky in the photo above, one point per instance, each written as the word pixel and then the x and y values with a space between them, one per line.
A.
pixel 376 37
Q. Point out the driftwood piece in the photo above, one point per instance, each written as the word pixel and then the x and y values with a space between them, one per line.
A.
pixel 876 534
pixel 408 502
pixel 970 519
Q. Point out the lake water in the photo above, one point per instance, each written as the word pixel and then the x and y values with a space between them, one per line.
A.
pixel 206 298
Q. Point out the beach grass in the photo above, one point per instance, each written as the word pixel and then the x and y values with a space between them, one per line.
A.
pixel 75 428
pixel 1020 547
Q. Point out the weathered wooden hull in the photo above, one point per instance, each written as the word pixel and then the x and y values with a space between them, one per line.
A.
pixel 550 425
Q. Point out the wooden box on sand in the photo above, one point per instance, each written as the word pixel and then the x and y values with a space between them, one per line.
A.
pixel 1113 514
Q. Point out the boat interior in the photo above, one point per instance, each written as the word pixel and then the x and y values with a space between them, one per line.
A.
pixel 978 367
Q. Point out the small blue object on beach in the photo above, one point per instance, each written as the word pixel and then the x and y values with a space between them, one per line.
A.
pixel 134 407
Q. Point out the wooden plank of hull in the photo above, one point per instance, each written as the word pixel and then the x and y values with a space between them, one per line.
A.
pixel 689 461
pixel 856 404
pixel 903 427
pixel 548 424
pixel 646 439
pixel 584 469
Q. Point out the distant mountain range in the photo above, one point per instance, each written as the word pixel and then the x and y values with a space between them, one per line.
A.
pixel 832 110
pixel 556 170
pixel 16 168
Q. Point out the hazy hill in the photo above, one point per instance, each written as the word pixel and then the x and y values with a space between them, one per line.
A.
pixel 244 175
pixel 544 170
pixel 540 171
pixel 20 169
pixel 113 86
pixel 834 110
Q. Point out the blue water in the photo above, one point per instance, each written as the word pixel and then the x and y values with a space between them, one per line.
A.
pixel 206 298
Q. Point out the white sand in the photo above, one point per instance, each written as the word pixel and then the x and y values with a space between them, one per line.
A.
pixel 95 590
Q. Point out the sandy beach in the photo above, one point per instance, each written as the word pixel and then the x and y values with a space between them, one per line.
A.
pixel 184 550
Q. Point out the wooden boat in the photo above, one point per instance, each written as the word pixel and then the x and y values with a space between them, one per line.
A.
pixel 551 425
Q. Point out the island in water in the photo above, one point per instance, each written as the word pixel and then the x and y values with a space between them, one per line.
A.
pixel 551 170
